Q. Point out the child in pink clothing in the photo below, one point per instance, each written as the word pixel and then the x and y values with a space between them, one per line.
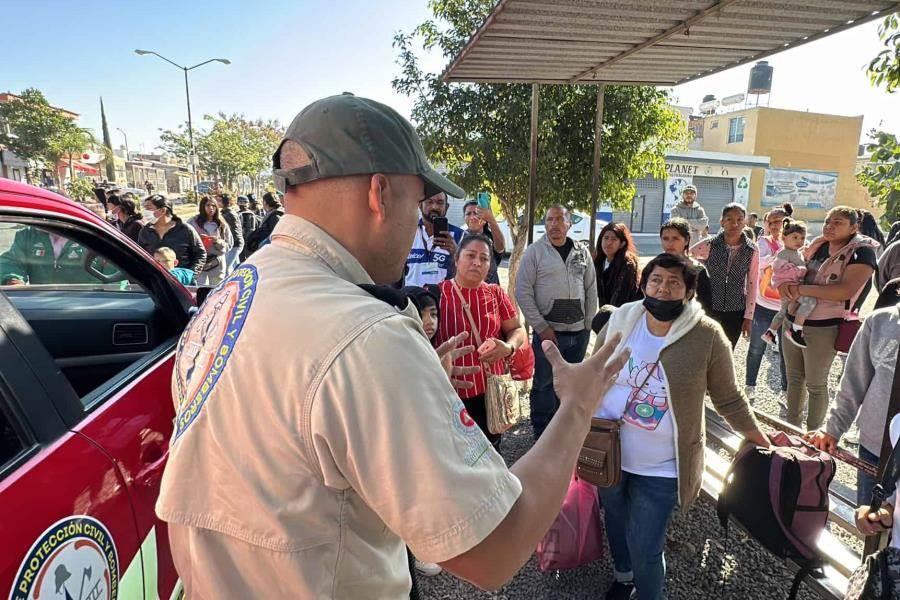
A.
pixel 789 267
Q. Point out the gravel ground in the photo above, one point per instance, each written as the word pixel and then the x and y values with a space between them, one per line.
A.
pixel 694 556
pixel 695 545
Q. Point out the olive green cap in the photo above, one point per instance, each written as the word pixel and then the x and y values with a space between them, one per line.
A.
pixel 348 135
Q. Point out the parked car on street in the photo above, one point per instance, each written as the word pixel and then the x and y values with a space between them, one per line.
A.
pixel 88 328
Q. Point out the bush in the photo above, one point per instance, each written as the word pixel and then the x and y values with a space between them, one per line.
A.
pixel 80 190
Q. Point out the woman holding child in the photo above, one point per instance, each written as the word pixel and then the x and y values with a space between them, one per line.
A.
pixel 839 264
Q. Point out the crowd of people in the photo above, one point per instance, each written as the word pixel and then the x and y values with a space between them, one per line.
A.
pixel 208 246
pixel 771 283
pixel 368 443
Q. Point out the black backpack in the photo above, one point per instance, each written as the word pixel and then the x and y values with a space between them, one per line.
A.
pixel 779 495
pixel 249 222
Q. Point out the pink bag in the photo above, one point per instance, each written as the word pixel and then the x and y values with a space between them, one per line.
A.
pixel 576 536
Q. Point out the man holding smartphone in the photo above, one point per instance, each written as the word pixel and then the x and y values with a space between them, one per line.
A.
pixel 431 259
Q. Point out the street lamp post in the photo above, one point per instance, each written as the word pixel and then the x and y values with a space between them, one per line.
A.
pixel 187 93
pixel 125 135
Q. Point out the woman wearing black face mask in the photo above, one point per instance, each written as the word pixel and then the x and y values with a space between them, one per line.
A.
pixel 678 354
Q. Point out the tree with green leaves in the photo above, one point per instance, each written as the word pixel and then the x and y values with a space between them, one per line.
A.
pixel 881 176
pixel 81 190
pixel 70 142
pixel 107 145
pixel 480 132
pixel 232 146
pixel 37 131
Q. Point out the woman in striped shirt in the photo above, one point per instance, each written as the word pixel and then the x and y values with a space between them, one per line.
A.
pixel 499 329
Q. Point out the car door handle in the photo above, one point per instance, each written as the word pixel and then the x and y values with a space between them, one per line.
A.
pixel 154 458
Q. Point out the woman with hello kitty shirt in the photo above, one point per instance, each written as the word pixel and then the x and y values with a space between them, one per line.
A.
pixel 678 354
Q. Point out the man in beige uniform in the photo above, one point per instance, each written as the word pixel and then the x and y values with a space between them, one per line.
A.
pixel 316 429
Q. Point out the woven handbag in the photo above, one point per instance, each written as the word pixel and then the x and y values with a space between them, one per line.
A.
pixel 501 394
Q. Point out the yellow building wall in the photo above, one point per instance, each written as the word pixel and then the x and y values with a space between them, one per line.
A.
pixel 715 132
pixel 795 140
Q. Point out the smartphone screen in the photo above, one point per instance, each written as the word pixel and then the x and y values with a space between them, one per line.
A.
pixel 440 225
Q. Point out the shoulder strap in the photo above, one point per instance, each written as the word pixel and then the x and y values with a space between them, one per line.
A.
pixel 889 464
pixel 465 306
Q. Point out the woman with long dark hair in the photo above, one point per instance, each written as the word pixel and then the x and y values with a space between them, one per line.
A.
pixel 675 238
pixel 617 266
pixel 217 240
pixel 481 221
pixel 124 210
pixel 163 228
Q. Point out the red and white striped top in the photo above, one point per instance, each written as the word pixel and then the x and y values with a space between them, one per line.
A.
pixel 490 306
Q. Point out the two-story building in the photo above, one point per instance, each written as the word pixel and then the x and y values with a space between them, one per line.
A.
pixel 812 157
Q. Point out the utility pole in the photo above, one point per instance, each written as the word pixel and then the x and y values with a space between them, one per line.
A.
pixel 187 93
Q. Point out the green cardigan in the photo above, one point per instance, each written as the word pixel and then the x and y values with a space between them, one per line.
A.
pixel 696 359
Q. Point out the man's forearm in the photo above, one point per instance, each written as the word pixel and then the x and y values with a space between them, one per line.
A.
pixel 545 472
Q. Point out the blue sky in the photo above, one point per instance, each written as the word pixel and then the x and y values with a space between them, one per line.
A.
pixel 286 53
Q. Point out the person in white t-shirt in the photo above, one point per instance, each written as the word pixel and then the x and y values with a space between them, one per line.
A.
pixel 678 354
pixel 430 259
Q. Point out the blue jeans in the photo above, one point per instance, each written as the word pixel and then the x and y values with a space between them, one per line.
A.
pixel 232 260
pixel 636 513
pixel 864 481
pixel 544 402
pixel 762 319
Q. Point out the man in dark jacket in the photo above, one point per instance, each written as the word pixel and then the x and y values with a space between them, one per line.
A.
pixel 231 216
pixel 274 212
pixel 249 221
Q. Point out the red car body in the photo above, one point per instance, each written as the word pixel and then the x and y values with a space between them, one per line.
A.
pixel 80 468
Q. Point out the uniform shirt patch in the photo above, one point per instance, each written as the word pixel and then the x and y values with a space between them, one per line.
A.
pixel 476 443
pixel 208 343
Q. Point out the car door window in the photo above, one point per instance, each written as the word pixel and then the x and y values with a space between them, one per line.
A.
pixel 93 318
pixel 12 440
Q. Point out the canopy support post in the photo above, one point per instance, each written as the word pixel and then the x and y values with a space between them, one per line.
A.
pixel 595 177
pixel 532 165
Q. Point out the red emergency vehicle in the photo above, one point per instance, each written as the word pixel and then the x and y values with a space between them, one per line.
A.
pixel 87 342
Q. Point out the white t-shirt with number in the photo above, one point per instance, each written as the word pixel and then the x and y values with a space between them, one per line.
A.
pixel 640 397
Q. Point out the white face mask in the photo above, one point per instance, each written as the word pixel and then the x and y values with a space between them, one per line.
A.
pixel 149 217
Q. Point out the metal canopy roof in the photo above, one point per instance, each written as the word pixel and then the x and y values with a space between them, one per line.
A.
pixel 653 42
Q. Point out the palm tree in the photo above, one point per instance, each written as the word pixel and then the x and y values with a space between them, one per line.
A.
pixel 71 141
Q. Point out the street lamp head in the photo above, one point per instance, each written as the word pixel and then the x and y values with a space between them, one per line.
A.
pixel 142 52
pixel 224 61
